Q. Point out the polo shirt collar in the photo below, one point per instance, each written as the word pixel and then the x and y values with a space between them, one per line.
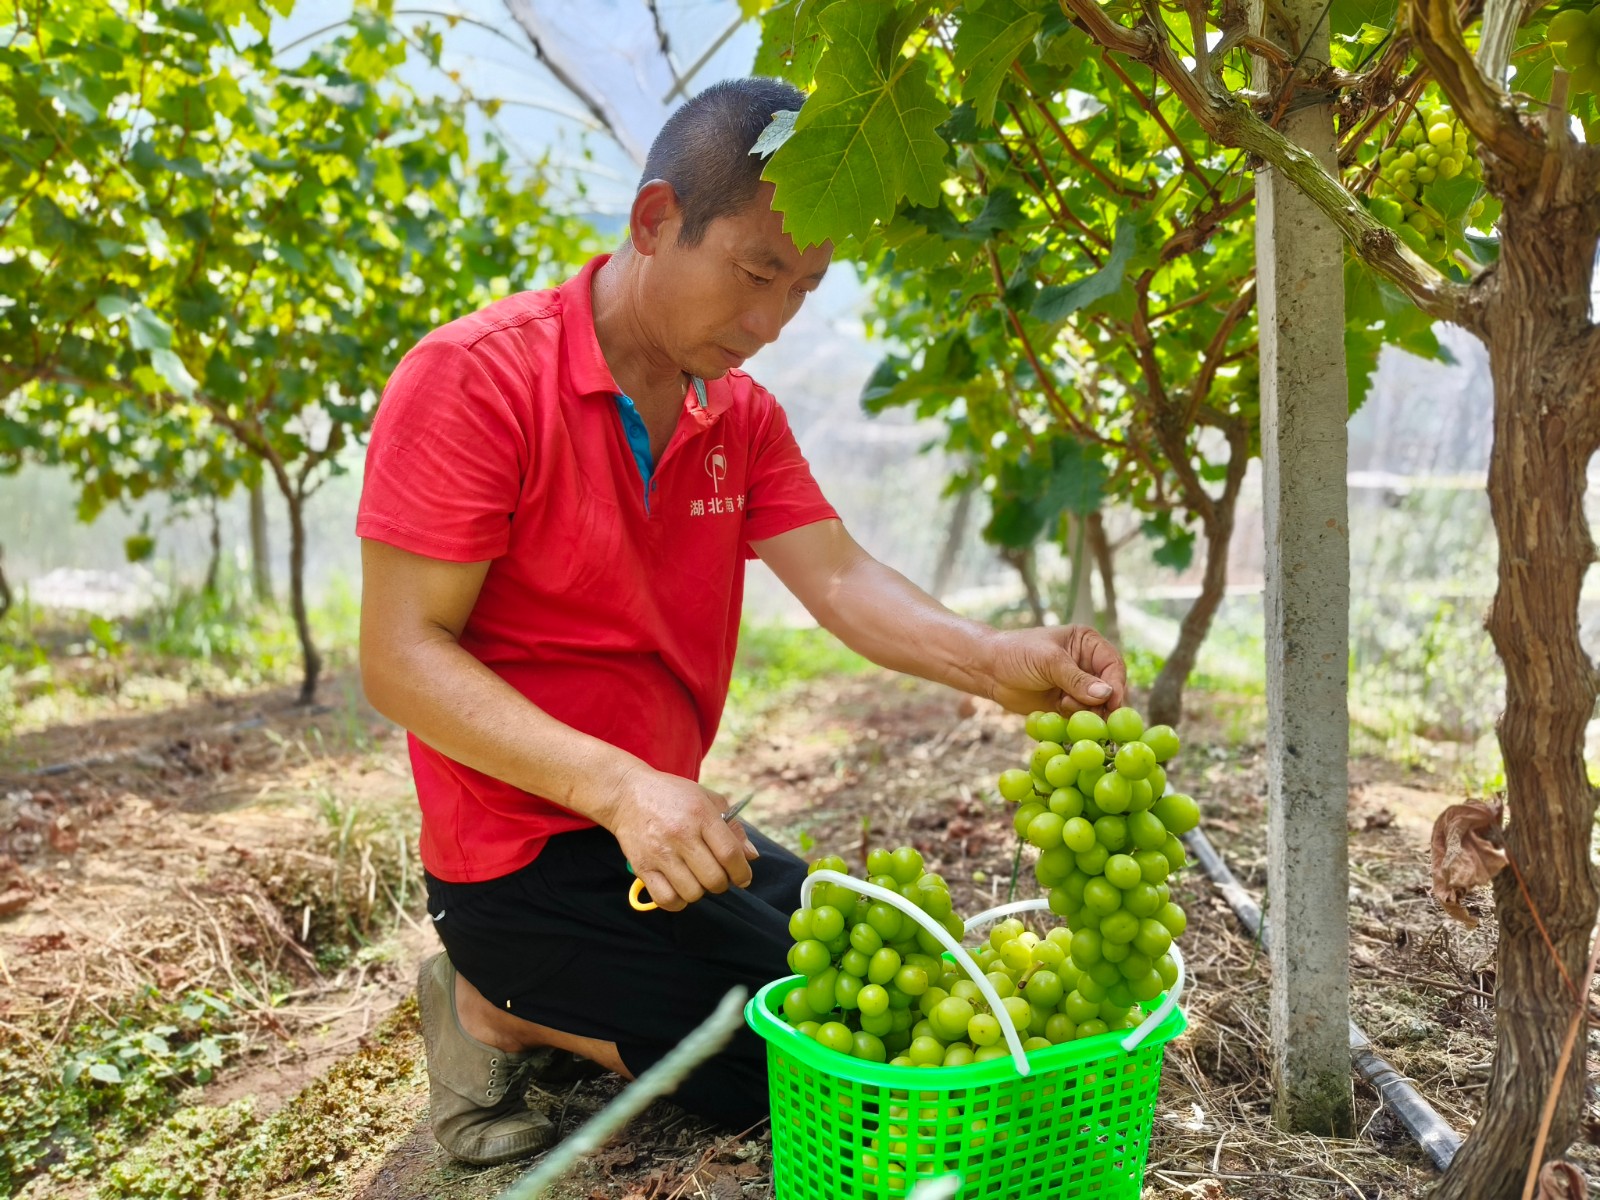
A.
pixel 587 371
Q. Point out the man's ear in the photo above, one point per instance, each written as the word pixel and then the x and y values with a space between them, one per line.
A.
pixel 655 217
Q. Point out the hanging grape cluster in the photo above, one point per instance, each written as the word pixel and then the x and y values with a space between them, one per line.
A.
pixel 1432 146
pixel 1575 35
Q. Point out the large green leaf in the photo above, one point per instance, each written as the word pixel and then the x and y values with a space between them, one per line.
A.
pixel 987 43
pixel 1055 304
pixel 867 137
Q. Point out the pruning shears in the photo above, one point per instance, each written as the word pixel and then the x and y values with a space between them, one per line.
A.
pixel 636 897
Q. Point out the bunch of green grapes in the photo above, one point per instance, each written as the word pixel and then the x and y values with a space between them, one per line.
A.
pixel 1433 146
pixel 1095 802
pixel 865 962
pixel 1575 35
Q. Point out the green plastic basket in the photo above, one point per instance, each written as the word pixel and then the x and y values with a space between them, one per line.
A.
pixel 1076 1126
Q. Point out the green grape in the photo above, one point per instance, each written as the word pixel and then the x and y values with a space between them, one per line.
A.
pixel 1112 792
pixel 1157 779
pixel 886 920
pixel 1140 795
pixel 1066 802
pixel 1052 727
pixel 1091 1028
pixel 1172 918
pixel 1135 965
pixel 958 1055
pixel 1147 987
pixel 1054 866
pixel 1101 896
pixel 1115 952
pixel 1030 725
pixel 1134 760
pixel 1125 725
pixel 1153 865
pixel 1086 754
pixel 967 990
pixel 809 958
pixel 1086 725
pixel 907 866
pixel 1163 742
pixel 926 1052
pixel 879 861
pixel 1015 785
pixel 983 1029
pixel 988 1054
pixel 1088 779
pixel 1050 955
pixel 935 901
pixel 1060 904
pixel 1042 754
pixel 1044 989
pixel 800 924
pixel 1004 931
pixel 885 966
pixel 913 981
pixel 1179 813
pixel 1152 938
pixel 1093 860
pixel 1059 1028
pixel 1568 24
pixel 1167 968
pixel 795 1008
pixel 1024 816
pixel 1044 831
pixel 1122 871
pixel 846 988
pixel 1174 853
pixel 1078 1008
pixel 1059 772
pixel 1111 831
pixel 1142 900
pixel 930 999
pixel 1078 835
pixel 1147 831
pixel 1016 955
pixel 1000 981
pixel 1019 1010
pixel 827 923
pixel 1120 927
pixel 866 939
pixel 854 962
pixel 950 1017
pixel 836 1035
pixel 868 1047
pixel 873 1001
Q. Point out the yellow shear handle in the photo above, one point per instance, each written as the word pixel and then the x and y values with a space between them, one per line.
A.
pixel 636 898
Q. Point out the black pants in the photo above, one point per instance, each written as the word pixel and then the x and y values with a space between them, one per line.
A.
pixel 557 943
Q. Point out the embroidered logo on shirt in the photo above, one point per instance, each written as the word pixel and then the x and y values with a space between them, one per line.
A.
pixel 717 467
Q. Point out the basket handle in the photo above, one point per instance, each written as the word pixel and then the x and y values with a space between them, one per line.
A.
pixel 895 899
pixel 1136 1035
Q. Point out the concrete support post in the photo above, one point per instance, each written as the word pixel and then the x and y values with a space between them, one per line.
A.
pixel 1304 406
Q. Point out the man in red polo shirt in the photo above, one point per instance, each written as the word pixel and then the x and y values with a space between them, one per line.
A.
pixel 561 494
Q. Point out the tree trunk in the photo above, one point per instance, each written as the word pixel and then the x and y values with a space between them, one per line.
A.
pixel 260 553
pixel 1166 693
pixel 5 588
pixel 1022 560
pixel 310 659
pixel 1080 596
pixel 952 544
pixel 215 565
pixel 1546 413
pixel 1105 562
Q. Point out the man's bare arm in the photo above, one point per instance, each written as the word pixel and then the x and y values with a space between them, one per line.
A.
pixel 885 617
pixel 413 610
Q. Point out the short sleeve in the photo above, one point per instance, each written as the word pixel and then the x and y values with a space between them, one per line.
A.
pixel 782 495
pixel 445 460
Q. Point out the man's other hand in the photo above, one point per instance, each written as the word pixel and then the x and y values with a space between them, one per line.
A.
pixel 672 831
pixel 1060 668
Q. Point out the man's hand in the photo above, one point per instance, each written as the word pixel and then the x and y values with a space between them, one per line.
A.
pixel 1058 668
pixel 672 831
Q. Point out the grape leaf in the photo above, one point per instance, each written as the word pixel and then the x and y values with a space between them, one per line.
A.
pixel 986 45
pixel 776 133
pixel 1002 210
pixel 867 137
pixel 1054 304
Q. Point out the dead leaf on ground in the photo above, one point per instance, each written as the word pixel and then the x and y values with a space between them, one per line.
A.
pixel 1560 1180
pixel 1467 852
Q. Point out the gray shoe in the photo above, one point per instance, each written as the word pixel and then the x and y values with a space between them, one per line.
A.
pixel 475 1100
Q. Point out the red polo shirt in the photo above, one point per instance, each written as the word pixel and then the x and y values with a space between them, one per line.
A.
pixel 499 438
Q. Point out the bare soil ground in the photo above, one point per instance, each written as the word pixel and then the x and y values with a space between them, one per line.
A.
pixel 262 853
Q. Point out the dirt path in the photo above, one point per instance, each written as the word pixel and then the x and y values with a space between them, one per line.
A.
pixel 260 852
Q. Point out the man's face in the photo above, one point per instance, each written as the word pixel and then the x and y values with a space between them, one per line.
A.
pixel 713 305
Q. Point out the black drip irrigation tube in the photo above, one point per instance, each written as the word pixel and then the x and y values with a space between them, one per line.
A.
pixel 1431 1131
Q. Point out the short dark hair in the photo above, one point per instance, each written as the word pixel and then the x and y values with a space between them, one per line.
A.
pixel 703 150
